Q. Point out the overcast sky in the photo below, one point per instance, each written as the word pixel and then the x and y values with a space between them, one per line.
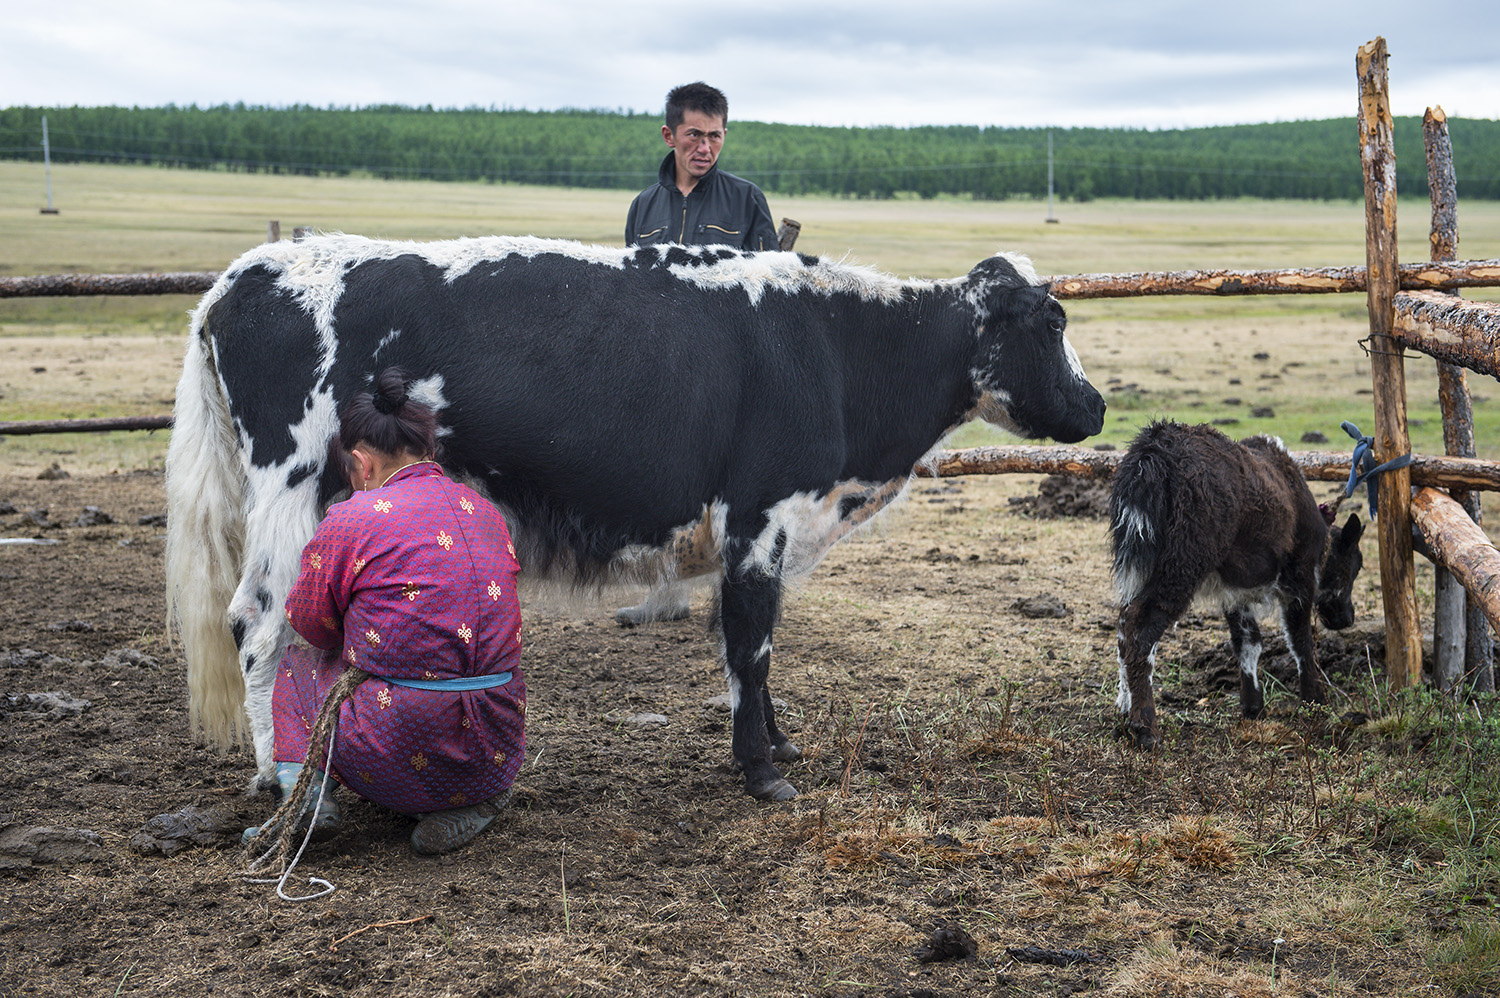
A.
pixel 892 62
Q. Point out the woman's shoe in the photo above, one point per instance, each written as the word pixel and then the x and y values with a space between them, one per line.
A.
pixel 324 815
pixel 445 831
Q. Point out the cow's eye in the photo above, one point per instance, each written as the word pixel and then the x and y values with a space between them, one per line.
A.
pixel 1057 325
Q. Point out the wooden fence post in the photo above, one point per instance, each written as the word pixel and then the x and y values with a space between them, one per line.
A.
pixel 273 231
pixel 1377 153
pixel 786 236
pixel 1461 633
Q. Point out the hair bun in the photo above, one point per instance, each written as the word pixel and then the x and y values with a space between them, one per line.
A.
pixel 386 405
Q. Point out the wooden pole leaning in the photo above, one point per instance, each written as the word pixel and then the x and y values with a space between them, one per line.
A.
pixel 1459 544
pixel 1377 153
pixel 1461 634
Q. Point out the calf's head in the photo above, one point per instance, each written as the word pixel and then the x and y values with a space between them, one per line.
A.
pixel 1341 564
pixel 1027 375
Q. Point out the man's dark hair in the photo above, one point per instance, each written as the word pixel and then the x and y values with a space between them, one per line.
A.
pixel 698 97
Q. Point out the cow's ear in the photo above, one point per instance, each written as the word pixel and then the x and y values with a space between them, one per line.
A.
pixel 1017 303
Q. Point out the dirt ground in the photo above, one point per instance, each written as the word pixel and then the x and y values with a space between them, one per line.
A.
pixel 962 777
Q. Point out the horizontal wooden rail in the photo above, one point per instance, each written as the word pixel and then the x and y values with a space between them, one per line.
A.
pixel 100 425
pixel 1455 331
pixel 1326 280
pixel 1459 545
pixel 63 285
pixel 1469 473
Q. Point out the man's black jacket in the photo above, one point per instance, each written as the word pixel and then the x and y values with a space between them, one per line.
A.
pixel 722 209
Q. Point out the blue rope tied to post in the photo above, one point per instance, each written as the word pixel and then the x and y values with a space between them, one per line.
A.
pixel 1363 467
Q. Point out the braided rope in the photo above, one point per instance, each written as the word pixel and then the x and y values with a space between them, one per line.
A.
pixel 284 821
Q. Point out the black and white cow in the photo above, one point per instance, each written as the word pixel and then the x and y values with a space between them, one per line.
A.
pixel 639 413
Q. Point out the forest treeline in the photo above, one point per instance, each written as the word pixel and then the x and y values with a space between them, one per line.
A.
pixel 1300 159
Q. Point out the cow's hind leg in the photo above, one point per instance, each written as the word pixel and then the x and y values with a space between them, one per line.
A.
pixel 259 627
pixel 1244 634
pixel 279 521
pixel 783 749
pixel 1142 623
pixel 749 604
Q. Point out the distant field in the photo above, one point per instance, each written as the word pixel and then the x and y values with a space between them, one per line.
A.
pixel 1189 358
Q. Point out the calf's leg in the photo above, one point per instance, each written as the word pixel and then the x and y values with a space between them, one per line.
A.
pixel 1296 621
pixel 1142 622
pixel 1244 634
pixel 749 603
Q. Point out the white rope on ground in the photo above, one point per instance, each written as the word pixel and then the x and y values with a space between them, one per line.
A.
pixel 280 882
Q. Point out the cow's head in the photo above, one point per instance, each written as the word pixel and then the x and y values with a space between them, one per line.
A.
pixel 1028 378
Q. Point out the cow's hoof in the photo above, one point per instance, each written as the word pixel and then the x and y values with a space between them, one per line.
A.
pixel 1142 737
pixel 777 790
pixel 785 752
pixel 264 783
pixel 649 612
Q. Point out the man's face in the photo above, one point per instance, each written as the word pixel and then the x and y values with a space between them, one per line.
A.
pixel 696 142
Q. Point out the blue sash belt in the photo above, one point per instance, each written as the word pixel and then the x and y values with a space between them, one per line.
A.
pixel 458 685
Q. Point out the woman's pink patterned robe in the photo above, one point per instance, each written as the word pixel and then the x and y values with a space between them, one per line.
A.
pixel 415 580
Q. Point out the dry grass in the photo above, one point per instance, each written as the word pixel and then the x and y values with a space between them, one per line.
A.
pixel 960 764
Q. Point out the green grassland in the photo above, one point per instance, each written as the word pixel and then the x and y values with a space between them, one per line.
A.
pixel 1188 358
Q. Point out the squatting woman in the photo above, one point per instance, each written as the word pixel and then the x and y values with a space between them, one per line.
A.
pixel 412 581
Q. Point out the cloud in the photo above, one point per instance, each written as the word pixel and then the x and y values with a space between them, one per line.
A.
pixel 1147 64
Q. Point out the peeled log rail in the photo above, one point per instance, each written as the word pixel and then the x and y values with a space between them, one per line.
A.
pixel 100 425
pixel 1225 283
pixel 1229 283
pixel 1460 546
pixel 1084 462
pixel 1453 330
pixel 62 285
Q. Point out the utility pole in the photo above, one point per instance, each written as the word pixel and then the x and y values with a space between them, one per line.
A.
pixel 1051 219
pixel 47 159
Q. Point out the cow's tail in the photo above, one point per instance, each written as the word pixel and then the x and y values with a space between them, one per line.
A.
pixel 206 491
pixel 1140 502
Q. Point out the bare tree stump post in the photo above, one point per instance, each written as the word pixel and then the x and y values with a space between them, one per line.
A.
pixel 786 236
pixel 1456 613
pixel 1377 153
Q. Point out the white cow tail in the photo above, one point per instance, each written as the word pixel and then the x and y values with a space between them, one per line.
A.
pixel 205 539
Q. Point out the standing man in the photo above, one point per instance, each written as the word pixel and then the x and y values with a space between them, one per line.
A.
pixel 694 202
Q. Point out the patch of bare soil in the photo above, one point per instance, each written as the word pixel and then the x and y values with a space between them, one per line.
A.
pixel 962 784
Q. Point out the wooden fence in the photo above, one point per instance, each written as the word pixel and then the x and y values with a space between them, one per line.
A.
pixel 1410 306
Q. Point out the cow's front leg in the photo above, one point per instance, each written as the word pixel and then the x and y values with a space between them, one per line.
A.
pixel 749 603
pixel 1296 621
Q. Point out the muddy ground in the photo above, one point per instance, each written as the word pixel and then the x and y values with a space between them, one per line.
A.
pixel 949 675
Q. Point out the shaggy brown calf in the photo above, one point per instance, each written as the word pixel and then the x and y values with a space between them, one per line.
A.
pixel 1194 514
